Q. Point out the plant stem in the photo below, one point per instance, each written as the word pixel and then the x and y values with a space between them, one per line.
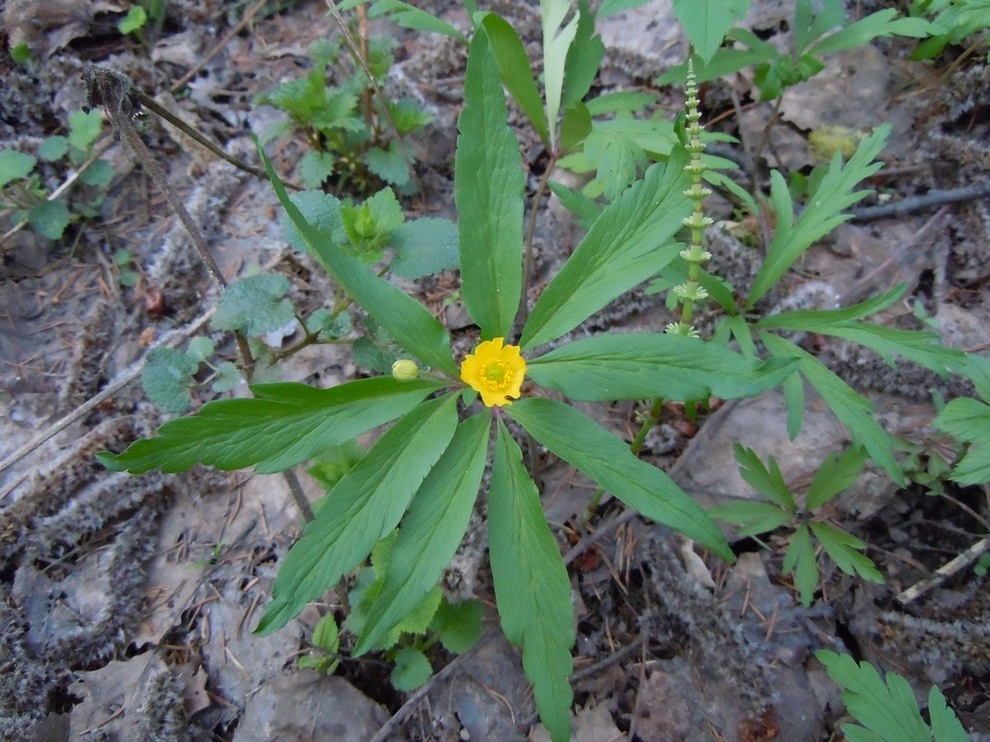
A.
pixel 298 496
pixel 530 234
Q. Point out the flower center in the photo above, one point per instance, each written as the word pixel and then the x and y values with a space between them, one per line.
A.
pixel 495 374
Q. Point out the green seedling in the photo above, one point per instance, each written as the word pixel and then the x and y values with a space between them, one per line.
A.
pixel 807 524
pixel 24 197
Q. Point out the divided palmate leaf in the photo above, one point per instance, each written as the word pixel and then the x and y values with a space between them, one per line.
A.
pixel 488 182
pixel 604 458
pixel 532 588
pixel 364 506
pixel 824 213
pixel 852 409
pixel 889 709
pixel 969 421
pixel 644 365
pixel 432 530
pixel 283 425
pixel 627 244
pixel 407 321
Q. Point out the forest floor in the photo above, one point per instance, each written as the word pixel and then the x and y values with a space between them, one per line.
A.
pixel 128 602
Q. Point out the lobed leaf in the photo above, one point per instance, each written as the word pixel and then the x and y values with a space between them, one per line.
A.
pixel 363 507
pixel 532 588
pixel 627 244
pixel 606 459
pixel 753 518
pixel 14 165
pixel 432 529
pixel 643 365
pixel 283 425
pixel 823 213
pixel 458 625
pixel 886 709
pixel 255 305
pixel 968 420
pixel 488 183
pixel 852 409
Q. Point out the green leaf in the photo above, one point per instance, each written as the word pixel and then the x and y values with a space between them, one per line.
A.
pixel 823 213
pixel 388 163
pixel 282 426
pixel 432 530
pixel 862 32
pixel 516 71
pixel 407 16
pixel 424 247
pixel 604 458
pixel 408 115
pixel 326 635
pixel 836 473
pixel 21 54
pixel 556 43
pixel 643 365
pixel 406 320
pixel 167 377
pixel 611 7
pixel 14 165
pixel 200 348
pixel 53 148
pixel 411 670
pixel 322 212
pixel 364 506
pixel 575 127
pixel 488 181
pixel 844 548
pixel 134 21
pixel 458 625
pixel 968 420
pixel 768 482
pixel 583 60
pixel 370 225
pixel 945 724
pixel 584 208
pixel 820 320
pixel 228 377
pixel 753 518
pixel 99 174
pixel 626 245
pixel 417 620
pixel 886 709
pixel 84 128
pixel 800 560
pixel 315 167
pixel 706 22
pixel 793 388
pixel 532 588
pixel 255 305
pixel 852 409
pixel 49 218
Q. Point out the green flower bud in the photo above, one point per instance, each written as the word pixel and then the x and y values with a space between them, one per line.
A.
pixel 405 370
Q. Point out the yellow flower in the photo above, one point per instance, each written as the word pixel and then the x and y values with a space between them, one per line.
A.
pixel 495 370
